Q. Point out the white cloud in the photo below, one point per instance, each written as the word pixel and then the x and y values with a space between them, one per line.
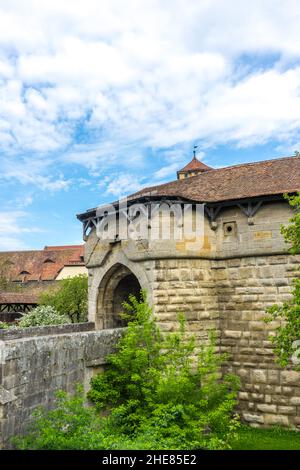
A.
pixel 6 70
pixel 121 185
pixel 169 170
pixel 11 243
pixel 23 201
pixel 12 229
pixel 143 74
pixel 10 223
pixel 30 171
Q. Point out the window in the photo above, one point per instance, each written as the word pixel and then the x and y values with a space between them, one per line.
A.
pixel 229 229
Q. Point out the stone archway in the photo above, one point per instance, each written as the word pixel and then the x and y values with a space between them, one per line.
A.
pixel 114 289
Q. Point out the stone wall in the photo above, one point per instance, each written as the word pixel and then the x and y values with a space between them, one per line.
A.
pixel 231 296
pixel 225 283
pixel 185 286
pixel 256 236
pixel 36 362
pixel 245 288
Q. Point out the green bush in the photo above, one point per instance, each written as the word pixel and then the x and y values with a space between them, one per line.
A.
pixel 156 393
pixel 70 298
pixel 291 232
pixel 4 325
pixel 154 388
pixel 71 426
pixel 42 315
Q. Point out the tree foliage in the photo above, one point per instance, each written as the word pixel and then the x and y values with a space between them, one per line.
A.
pixel 288 334
pixel 153 395
pixel 70 298
pixel 291 232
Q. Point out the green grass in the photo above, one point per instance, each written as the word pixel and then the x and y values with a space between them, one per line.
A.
pixel 267 439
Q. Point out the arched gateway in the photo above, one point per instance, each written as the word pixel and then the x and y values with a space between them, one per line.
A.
pixel 117 284
pixel 224 283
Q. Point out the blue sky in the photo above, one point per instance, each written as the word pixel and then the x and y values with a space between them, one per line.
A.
pixel 100 98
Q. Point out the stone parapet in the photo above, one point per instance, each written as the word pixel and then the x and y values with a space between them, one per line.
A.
pixel 35 366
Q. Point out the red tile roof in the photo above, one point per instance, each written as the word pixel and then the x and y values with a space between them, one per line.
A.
pixel 18 298
pixel 194 165
pixel 63 247
pixel 42 265
pixel 77 258
pixel 269 177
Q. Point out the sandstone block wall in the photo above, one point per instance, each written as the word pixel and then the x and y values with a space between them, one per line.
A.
pixel 231 296
pixel 225 283
pixel 185 286
pixel 245 288
pixel 34 364
pixel 257 236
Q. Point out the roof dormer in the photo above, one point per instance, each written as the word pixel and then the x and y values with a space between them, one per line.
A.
pixel 193 168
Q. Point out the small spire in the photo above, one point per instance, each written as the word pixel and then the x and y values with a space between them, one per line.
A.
pixel 194 167
pixel 194 150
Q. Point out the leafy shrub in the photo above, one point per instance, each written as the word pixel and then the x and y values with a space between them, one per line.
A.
pixel 291 232
pixel 70 298
pixel 42 315
pixel 4 325
pixel 154 388
pixel 153 395
pixel 71 425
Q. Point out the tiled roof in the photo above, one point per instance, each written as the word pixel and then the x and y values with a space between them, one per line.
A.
pixel 77 258
pixel 63 247
pixel 269 177
pixel 18 298
pixel 195 165
pixel 41 265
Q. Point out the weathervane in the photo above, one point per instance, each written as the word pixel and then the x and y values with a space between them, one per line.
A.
pixel 194 151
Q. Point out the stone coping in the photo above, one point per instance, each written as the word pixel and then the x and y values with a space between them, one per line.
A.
pixel 18 333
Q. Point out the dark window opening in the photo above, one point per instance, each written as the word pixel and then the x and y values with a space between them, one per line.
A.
pixel 229 228
pixel 128 285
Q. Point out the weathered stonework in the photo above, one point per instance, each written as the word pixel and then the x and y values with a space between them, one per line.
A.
pixel 244 292
pixel 225 285
pixel 223 280
pixel 36 362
